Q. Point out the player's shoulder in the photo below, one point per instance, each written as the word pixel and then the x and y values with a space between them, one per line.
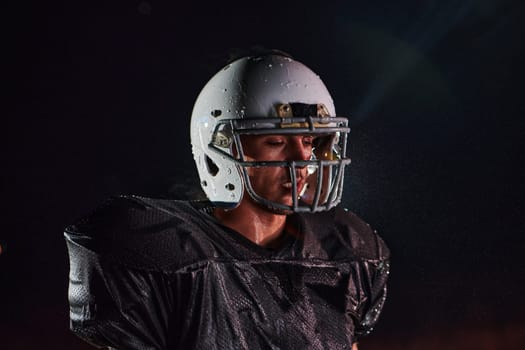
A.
pixel 127 212
pixel 351 233
pixel 141 231
pixel 364 239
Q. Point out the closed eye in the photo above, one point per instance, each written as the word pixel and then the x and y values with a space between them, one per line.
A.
pixel 274 141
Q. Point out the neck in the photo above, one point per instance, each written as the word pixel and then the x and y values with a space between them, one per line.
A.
pixel 254 222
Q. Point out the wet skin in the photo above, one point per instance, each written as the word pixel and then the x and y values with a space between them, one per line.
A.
pixel 253 220
pixel 274 183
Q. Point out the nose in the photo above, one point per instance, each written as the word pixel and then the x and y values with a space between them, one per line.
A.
pixel 298 150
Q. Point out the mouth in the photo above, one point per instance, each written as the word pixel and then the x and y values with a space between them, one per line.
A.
pixel 301 188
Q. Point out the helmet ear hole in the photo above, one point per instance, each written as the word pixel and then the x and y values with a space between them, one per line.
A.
pixel 211 166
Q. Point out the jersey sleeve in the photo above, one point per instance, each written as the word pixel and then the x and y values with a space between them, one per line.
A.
pixel 373 256
pixel 114 304
pixel 377 273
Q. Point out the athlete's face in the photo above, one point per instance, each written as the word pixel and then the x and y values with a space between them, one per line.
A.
pixel 274 183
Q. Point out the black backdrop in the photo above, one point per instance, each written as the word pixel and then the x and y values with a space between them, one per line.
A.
pixel 97 102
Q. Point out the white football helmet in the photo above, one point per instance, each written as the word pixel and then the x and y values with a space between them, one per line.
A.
pixel 269 94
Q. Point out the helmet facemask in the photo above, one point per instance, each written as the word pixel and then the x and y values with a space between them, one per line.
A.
pixel 323 185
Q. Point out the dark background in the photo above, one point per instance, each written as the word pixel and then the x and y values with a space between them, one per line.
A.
pixel 98 97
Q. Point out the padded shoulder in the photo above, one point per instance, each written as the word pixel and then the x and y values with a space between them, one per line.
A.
pixel 108 219
pixel 139 232
pixel 342 233
pixel 364 240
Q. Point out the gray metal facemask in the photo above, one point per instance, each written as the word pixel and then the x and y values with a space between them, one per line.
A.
pixel 324 183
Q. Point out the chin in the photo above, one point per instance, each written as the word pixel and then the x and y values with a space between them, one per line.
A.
pixel 277 211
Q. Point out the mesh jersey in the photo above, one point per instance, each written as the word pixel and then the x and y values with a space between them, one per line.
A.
pixel 163 274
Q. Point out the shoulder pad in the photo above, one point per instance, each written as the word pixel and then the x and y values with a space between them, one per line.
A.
pixel 340 234
pixel 360 236
pixel 139 232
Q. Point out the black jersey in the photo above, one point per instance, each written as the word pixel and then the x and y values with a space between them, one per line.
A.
pixel 163 274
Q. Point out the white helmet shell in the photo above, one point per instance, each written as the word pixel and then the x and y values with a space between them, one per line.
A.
pixel 250 87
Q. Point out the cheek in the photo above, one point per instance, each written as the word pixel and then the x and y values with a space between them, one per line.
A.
pixel 261 152
pixel 265 174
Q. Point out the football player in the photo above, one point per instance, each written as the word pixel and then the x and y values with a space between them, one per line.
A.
pixel 269 261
